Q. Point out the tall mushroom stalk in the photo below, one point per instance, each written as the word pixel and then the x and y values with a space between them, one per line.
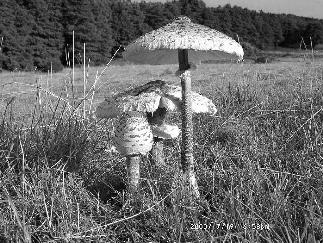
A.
pixel 187 158
pixel 178 42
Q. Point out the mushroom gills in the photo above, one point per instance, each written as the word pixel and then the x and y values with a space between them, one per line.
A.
pixel 165 131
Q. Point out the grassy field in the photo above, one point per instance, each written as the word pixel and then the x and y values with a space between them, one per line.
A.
pixel 258 162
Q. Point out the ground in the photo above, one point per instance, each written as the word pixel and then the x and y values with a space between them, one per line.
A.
pixel 258 161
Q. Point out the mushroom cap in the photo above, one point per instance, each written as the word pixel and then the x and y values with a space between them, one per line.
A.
pixel 165 131
pixel 150 96
pixel 133 135
pixel 160 46
pixel 124 102
pixel 172 100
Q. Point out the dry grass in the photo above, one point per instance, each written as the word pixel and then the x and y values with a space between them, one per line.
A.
pixel 259 162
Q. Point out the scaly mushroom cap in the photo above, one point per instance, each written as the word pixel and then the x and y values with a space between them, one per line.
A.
pixel 173 99
pixel 124 102
pixel 160 46
pixel 133 134
pixel 150 96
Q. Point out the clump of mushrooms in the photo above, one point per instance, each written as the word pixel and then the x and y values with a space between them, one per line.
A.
pixel 183 41
pixel 132 136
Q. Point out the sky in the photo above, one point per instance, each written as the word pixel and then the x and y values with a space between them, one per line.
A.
pixel 307 8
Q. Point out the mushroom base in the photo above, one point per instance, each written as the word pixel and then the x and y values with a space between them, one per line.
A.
pixel 190 179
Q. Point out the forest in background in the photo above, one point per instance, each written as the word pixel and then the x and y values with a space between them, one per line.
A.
pixel 35 34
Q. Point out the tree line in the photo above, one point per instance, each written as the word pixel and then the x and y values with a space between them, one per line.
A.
pixel 37 34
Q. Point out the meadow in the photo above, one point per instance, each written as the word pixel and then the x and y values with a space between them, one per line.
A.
pixel 258 161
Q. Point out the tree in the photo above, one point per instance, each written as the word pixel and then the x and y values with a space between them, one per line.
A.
pixel 46 38
pixel 91 26
pixel 36 33
pixel 15 28
pixel 105 42
pixel 172 10
pixel 291 32
pixel 193 9
pixel 210 18
pixel 225 18
pixel 154 14
pixel 313 34
pixel 158 14
pixel 128 22
pixel 267 34
pixel 274 22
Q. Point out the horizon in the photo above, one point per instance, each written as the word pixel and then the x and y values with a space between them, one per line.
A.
pixel 311 8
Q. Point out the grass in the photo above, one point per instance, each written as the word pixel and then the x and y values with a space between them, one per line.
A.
pixel 258 162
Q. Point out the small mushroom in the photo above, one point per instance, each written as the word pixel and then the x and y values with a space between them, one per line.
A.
pixel 161 133
pixel 133 135
pixel 157 120
pixel 183 40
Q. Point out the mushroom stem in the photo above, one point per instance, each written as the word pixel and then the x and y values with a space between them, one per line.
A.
pixel 133 137
pixel 156 155
pixel 133 166
pixel 187 159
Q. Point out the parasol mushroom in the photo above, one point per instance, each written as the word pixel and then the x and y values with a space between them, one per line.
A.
pixel 184 41
pixel 133 135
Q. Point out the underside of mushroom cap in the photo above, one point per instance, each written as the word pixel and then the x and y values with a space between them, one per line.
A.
pixel 160 46
pixel 170 56
pixel 165 131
